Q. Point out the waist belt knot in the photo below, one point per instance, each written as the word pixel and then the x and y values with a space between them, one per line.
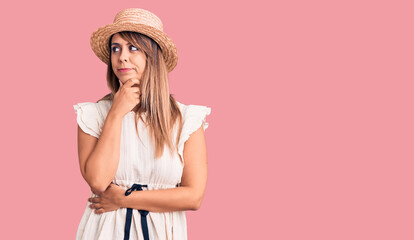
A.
pixel 143 213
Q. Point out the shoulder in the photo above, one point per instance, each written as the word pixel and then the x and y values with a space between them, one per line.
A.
pixel 86 108
pixel 99 108
pixel 194 116
pixel 103 107
pixel 180 105
pixel 193 109
pixel 90 117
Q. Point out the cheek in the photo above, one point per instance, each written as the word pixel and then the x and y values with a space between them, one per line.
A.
pixel 140 61
pixel 140 64
pixel 143 63
pixel 143 66
pixel 113 65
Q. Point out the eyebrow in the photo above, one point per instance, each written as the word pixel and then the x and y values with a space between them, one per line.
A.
pixel 119 44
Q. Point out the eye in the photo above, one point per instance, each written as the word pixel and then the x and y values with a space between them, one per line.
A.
pixel 133 48
pixel 114 49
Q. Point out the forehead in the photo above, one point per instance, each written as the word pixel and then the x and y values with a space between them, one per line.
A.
pixel 117 38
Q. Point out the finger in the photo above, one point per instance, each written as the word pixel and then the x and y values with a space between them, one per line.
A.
pixel 137 82
pixel 135 89
pixel 94 200
pixel 99 211
pixel 131 82
pixel 120 83
pixel 95 205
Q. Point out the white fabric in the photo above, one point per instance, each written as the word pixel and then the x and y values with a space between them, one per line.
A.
pixel 137 165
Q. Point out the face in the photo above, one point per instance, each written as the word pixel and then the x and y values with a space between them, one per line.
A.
pixel 126 59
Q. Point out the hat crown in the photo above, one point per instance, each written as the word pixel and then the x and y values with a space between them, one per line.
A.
pixel 138 16
pixel 139 21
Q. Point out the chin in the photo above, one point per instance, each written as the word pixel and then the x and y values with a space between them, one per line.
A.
pixel 122 79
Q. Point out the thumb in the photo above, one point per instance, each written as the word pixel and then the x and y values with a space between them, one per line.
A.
pixel 120 83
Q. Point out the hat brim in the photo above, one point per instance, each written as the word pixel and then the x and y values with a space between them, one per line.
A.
pixel 100 37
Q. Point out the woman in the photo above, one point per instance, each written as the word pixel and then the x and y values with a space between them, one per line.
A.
pixel 138 147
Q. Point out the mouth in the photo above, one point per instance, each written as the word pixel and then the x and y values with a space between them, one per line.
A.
pixel 124 69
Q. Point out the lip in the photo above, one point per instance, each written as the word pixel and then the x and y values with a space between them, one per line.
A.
pixel 124 69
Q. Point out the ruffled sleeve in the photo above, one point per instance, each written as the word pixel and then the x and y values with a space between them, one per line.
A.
pixel 89 118
pixel 194 117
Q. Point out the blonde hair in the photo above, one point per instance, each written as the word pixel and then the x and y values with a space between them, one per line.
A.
pixel 161 109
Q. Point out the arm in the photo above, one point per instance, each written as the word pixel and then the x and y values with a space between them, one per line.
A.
pixel 98 158
pixel 193 183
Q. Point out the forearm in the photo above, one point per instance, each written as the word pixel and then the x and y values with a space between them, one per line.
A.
pixel 102 164
pixel 163 200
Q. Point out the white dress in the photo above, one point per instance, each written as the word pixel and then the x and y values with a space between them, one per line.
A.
pixel 137 165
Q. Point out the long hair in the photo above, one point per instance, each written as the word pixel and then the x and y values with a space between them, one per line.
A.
pixel 159 106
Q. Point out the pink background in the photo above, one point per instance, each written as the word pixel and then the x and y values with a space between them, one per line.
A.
pixel 310 134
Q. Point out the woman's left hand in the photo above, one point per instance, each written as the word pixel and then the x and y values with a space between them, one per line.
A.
pixel 110 200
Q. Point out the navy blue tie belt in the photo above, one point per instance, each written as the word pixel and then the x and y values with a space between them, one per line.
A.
pixel 144 213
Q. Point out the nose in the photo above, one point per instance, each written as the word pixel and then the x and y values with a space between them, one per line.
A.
pixel 124 56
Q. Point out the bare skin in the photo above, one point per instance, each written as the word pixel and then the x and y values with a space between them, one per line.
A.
pixel 99 158
pixel 186 197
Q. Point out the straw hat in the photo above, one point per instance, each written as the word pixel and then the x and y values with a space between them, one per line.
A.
pixel 135 20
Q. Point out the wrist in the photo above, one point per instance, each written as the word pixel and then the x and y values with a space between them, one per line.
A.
pixel 122 201
pixel 114 115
